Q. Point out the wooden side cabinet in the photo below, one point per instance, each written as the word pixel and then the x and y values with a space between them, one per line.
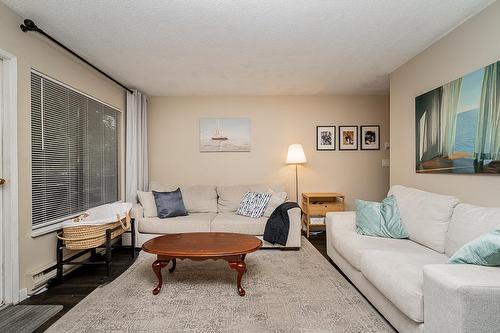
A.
pixel 316 205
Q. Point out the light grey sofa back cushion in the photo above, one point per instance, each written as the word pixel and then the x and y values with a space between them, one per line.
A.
pixel 425 215
pixel 469 222
pixel 230 196
pixel 197 198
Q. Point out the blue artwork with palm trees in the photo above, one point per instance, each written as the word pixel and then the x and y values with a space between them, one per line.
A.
pixel 458 125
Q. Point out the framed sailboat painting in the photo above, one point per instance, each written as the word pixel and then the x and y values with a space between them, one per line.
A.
pixel 224 134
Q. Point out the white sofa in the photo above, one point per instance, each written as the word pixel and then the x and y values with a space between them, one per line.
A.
pixel 408 280
pixel 212 209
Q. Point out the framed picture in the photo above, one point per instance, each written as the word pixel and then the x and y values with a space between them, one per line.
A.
pixel 370 137
pixel 348 137
pixel 455 125
pixel 325 137
pixel 224 134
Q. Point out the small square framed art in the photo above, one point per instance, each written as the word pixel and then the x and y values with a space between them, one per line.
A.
pixel 348 137
pixel 370 137
pixel 325 137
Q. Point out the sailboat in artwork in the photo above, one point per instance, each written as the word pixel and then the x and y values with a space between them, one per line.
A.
pixel 219 134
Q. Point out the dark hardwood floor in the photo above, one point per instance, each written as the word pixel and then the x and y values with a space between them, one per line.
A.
pixel 83 280
pixel 79 283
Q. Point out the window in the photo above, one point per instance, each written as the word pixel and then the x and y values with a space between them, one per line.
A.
pixel 468 112
pixel 74 148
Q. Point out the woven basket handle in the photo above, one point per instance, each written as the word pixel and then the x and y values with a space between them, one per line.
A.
pixel 127 219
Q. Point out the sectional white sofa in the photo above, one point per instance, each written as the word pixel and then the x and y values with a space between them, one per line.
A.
pixel 212 209
pixel 408 280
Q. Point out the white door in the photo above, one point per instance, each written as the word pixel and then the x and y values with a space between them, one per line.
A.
pixel 2 233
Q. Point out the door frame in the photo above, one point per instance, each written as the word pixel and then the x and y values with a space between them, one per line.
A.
pixel 9 220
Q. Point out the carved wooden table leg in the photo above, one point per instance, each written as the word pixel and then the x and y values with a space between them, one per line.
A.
pixel 157 266
pixel 241 267
pixel 172 269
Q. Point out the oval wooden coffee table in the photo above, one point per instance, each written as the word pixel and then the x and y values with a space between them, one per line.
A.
pixel 201 246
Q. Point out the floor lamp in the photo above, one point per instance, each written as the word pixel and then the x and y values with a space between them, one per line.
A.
pixel 296 156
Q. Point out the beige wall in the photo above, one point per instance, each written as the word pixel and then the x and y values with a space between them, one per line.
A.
pixel 474 44
pixel 33 51
pixel 276 122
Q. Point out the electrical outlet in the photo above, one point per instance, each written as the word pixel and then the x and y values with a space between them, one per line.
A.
pixel 387 146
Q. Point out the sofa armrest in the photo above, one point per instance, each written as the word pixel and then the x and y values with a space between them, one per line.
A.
pixel 341 220
pixel 461 298
pixel 295 230
pixel 137 211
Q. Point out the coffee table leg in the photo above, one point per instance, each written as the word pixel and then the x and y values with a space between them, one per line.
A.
pixel 157 266
pixel 241 267
pixel 172 269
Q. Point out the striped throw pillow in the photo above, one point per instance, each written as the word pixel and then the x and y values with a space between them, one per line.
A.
pixel 253 204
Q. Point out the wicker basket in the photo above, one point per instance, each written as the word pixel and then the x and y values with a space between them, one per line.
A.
pixel 91 236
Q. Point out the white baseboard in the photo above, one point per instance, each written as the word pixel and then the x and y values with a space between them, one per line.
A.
pixel 23 294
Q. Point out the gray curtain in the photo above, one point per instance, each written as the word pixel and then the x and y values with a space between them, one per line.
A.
pixel 488 126
pixel 449 110
pixel 137 146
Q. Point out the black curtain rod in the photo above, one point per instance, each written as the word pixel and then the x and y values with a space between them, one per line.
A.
pixel 29 25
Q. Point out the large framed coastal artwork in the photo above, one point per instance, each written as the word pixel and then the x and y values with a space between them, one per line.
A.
pixel 458 125
pixel 224 134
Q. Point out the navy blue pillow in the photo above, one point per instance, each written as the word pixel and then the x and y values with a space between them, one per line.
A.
pixel 169 204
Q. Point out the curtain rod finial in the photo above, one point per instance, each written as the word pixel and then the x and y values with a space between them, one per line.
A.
pixel 28 25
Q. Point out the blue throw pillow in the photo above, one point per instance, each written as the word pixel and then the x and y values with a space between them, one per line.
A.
pixel 484 251
pixel 379 219
pixel 169 204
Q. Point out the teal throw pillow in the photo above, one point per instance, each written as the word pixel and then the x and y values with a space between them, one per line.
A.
pixel 484 251
pixel 379 219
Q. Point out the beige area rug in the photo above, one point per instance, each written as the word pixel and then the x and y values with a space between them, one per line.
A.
pixel 286 291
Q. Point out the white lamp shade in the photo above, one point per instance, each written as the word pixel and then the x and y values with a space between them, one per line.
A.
pixel 296 154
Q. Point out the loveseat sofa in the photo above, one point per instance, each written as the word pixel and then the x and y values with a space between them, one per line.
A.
pixel 409 280
pixel 211 209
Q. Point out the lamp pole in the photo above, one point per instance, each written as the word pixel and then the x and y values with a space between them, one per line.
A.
pixel 296 183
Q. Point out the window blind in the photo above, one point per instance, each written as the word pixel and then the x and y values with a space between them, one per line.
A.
pixel 74 146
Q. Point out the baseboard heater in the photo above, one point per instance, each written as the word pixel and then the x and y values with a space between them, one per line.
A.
pixel 39 280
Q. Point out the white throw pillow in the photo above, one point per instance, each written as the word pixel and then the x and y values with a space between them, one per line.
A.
pixel 148 203
pixel 277 198
pixel 253 204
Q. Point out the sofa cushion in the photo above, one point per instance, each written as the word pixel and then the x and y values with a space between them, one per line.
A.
pixel 469 222
pixel 230 222
pixel 425 215
pixel 399 276
pixel 379 219
pixel 147 201
pixel 231 196
pixel 277 198
pixel 196 222
pixel 253 204
pixel 352 245
pixel 169 204
pixel 197 199
pixel 484 251
pixel 200 199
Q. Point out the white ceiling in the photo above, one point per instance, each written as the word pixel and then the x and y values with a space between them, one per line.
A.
pixel 260 47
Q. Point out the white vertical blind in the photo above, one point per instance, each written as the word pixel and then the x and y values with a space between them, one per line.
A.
pixel 74 144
